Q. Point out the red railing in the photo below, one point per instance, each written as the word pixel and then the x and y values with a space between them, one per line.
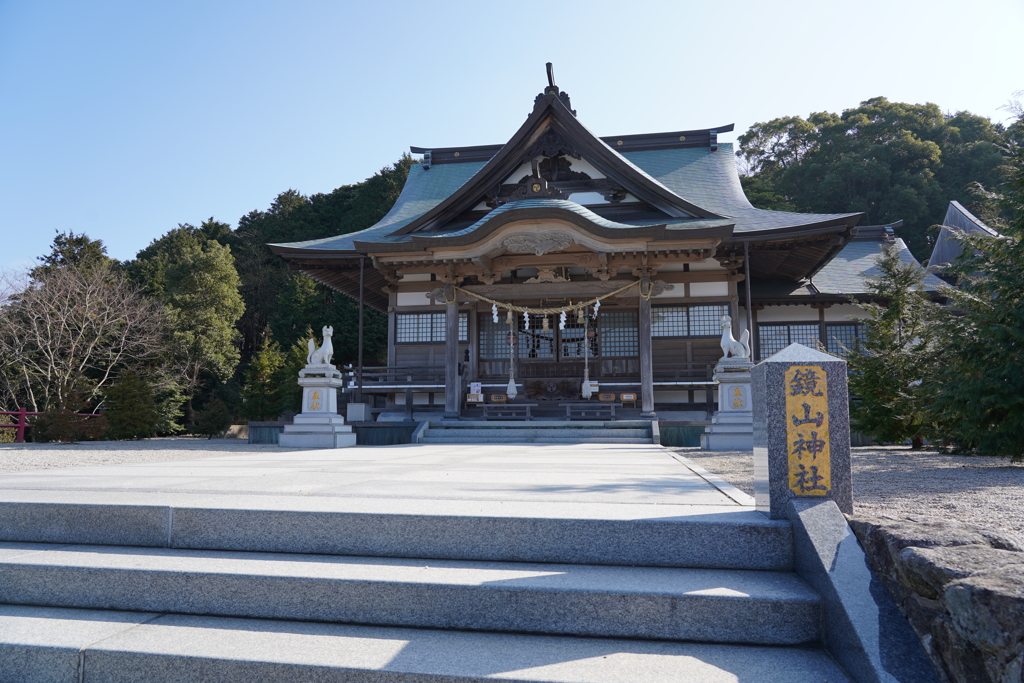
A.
pixel 22 424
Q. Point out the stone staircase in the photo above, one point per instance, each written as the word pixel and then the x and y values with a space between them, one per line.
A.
pixel 237 588
pixel 537 431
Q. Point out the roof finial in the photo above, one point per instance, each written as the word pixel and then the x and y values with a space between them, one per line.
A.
pixel 551 75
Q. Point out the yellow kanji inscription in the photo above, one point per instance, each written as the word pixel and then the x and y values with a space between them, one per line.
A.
pixel 316 395
pixel 807 433
pixel 314 405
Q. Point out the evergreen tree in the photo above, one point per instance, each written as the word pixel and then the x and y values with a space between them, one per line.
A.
pixel 890 160
pixel 887 369
pixel 131 409
pixel 978 396
pixel 261 396
pixel 289 393
pixel 196 279
pixel 213 419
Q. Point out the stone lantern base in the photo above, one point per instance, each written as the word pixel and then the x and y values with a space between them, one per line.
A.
pixel 732 427
pixel 318 425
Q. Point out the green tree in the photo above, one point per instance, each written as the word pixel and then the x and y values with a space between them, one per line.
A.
pixel 978 392
pixel 213 419
pixel 289 393
pixel 261 395
pixel 295 217
pixel 71 250
pixel 131 409
pixel 196 279
pixel 889 160
pixel 888 368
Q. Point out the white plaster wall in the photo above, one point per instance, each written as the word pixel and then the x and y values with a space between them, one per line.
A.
pixel 438 399
pixel 771 314
pixel 584 166
pixel 587 198
pixel 709 289
pixel 707 264
pixel 841 313
pixel 417 399
pixel 672 397
pixel 412 299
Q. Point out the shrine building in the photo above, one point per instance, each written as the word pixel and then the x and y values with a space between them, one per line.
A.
pixel 561 261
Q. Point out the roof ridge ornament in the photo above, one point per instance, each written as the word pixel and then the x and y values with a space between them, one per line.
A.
pixel 552 89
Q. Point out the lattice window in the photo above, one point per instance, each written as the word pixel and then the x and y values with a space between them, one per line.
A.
pixel 618 334
pixel 493 337
pixel 774 338
pixel 427 328
pixel 687 321
pixel 670 321
pixel 840 338
pixel 535 342
pixel 706 321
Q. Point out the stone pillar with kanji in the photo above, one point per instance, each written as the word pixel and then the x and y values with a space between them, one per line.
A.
pixel 801 430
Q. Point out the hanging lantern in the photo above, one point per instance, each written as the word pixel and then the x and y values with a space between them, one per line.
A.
pixel 544 325
pixel 494 312
pixel 591 333
pixel 511 339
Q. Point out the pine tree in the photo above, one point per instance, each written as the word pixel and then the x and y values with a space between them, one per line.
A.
pixel 888 367
pixel 213 419
pixel 261 395
pixel 131 408
pixel 978 398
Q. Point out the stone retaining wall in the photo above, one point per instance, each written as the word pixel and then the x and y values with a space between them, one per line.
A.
pixel 961 588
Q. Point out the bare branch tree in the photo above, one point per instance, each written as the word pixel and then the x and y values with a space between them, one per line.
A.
pixel 66 334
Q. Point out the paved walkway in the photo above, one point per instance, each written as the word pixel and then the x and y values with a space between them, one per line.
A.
pixel 525 473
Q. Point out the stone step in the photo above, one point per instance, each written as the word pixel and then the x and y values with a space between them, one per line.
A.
pixel 564 432
pixel 55 645
pixel 525 439
pixel 530 531
pixel 723 606
pixel 541 424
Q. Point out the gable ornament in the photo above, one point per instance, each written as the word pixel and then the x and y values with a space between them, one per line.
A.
pixel 538 244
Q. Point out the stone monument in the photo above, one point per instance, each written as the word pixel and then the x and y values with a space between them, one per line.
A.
pixel 801 431
pixel 319 425
pixel 732 426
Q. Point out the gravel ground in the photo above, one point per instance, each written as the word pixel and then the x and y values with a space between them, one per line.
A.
pixel 896 481
pixel 893 480
pixel 18 457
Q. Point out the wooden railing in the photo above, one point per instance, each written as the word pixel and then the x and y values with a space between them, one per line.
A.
pixel 396 375
pixel 683 372
pixel 22 424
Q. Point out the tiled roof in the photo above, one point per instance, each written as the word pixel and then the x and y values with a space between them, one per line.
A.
pixel 710 180
pixel 698 175
pixel 850 270
pixel 947 246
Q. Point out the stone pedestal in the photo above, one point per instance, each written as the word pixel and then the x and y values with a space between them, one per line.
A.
pixel 358 412
pixel 732 426
pixel 801 431
pixel 318 425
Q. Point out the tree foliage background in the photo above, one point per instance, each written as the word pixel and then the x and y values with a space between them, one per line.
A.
pixel 203 325
pixel 890 160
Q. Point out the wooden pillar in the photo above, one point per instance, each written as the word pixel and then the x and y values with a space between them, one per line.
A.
pixel 452 389
pixel 646 364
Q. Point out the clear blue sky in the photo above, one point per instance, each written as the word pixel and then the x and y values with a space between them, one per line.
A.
pixel 122 119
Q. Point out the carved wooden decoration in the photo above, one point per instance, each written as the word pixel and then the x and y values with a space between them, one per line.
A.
pixel 539 244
